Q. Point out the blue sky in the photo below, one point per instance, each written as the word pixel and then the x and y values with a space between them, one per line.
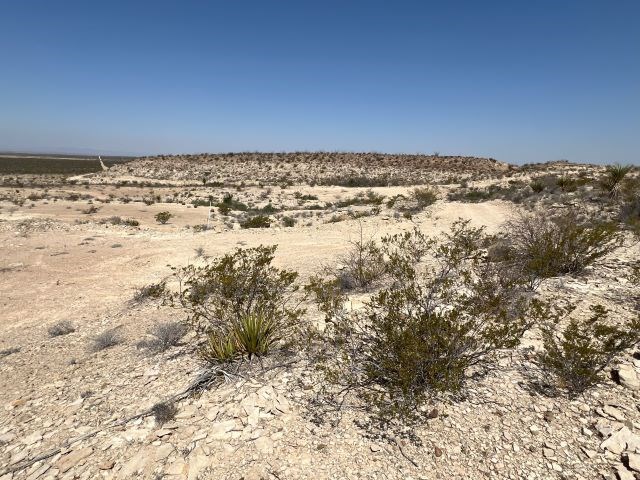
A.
pixel 520 81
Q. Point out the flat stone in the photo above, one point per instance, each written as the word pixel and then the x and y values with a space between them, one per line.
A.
pixel 624 474
pixel 106 464
pixel 68 461
pixel 620 441
pixel 614 413
pixel 634 461
pixel 628 377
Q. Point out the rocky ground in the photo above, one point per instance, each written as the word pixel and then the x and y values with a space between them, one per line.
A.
pixel 68 412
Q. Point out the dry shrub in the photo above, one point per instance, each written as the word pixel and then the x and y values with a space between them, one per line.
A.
pixel 163 336
pixel 64 327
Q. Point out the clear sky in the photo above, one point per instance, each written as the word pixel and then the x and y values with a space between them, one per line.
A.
pixel 517 80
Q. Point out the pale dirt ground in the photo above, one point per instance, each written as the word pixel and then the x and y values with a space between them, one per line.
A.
pixel 60 270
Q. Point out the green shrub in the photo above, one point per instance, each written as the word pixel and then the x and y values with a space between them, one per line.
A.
pixel 566 184
pixel 577 353
pixel 259 221
pixel 544 245
pixel 446 309
pixel 163 217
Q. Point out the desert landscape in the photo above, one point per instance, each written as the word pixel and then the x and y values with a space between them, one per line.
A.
pixel 318 315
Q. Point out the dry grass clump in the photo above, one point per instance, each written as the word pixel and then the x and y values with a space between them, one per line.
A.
pixel 151 291
pixel 64 327
pixel 107 339
pixel 163 336
pixel 164 412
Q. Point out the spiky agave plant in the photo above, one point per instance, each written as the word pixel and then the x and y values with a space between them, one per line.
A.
pixel 614 175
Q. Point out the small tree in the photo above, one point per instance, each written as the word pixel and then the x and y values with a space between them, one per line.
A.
pixel 163 217
pixel 577 353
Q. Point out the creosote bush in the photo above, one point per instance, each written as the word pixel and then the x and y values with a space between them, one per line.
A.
pixel 259 221
pixel 163 217
pixel 542 245
pixel 238 304
pixel 64 327
pixel 577 353
pixel 421 334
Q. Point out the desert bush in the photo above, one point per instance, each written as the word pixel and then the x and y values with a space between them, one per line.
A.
pixel 537 186
pixel 424 196
pixel 577 353
pixel 64 327
pixel 91 209
pixel 107 339
pixel 543 245
pixel 259 221
pixel 163 336
pixel 115 220
pixel 421 335
pixel 231 287
pixel 289 222
pixel 164 412
pixel 612 181
pixel 151 291
pixel 566 183
pixel 163 217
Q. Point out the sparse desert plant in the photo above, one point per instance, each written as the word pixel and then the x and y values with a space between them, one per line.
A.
pixel 163 336
pixel 543 245
pixel 163 217
pixel 91 209
pixel 200 253
pixel 612 181
pixel 64 327
pixel 164 412
pixel 107 339
pixel 150 291
pixel 259 221
pixel 577 353
pixel 362 265
pixel 421 335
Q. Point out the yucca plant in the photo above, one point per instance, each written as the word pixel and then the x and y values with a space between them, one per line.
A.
pixel 614 175
pixel 220 348
pixel 256 333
